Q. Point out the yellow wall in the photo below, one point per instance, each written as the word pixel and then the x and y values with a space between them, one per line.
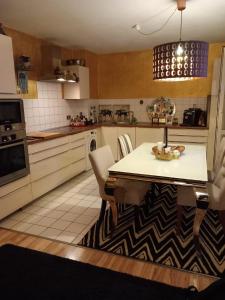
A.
pixel 129 75
pixel 25 44
pixel 116 75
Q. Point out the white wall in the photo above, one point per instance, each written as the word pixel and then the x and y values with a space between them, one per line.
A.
pixel 140 110
pixel 50 109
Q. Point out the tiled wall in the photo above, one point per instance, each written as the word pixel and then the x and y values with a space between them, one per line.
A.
pixel 140 109
pixel 50 109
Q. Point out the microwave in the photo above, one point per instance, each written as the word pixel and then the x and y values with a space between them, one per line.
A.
pixel 11 115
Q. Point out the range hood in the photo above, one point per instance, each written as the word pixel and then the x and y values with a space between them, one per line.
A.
pixel 52 69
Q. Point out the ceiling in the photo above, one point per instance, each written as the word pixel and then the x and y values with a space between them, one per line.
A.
pixel 105 26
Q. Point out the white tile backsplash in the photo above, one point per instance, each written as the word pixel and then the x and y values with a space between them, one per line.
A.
pixel 50 109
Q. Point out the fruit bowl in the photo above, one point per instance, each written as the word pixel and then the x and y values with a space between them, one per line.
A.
pixel 180 148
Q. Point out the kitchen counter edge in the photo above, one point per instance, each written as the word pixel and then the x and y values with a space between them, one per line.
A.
pixel 68 130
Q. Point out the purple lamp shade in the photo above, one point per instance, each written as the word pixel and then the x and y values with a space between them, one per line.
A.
pixel 190 62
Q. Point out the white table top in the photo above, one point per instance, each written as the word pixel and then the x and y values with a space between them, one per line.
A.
pixel 190 168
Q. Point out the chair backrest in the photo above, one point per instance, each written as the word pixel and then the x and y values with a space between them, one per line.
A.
pixel 125 144
pixel 101 159
pixel 218 189
pixel 220 155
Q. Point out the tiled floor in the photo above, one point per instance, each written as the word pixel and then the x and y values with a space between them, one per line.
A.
pixel 65 214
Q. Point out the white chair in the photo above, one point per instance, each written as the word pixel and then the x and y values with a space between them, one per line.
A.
pixel 124 191
pixel 219 159
pixel 213 196
pixel 125 144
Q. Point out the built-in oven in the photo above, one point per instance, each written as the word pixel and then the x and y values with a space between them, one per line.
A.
pixel 14 162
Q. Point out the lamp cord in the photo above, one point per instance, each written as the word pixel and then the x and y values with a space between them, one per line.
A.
pixel 164 24
pixel 181 23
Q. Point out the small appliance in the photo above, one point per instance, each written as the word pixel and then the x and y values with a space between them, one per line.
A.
pixel 191 116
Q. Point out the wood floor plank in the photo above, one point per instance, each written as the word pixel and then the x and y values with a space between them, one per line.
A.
pixel 107 260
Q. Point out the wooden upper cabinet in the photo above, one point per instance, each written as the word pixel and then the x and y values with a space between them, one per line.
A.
pixel 7 70
pixel 80 90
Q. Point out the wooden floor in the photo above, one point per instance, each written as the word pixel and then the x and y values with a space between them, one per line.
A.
pixel 107 260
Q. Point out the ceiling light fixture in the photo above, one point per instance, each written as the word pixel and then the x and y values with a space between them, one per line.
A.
pixel 181 60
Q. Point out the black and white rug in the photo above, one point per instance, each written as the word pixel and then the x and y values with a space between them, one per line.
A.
pixel 152 236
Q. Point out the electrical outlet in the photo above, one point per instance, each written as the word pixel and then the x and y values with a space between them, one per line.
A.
pixel 68 117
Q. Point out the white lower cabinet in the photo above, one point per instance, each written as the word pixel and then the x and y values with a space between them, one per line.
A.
pixel 199 136
pixel 51 181
pixel 14 196
pixel 148 135
pixel 109 137
pixel 56 162
pixel 51 163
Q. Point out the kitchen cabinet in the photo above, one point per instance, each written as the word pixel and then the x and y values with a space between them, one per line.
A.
pixel 99 137
pixel 7 71
pixel 109 137
pixel 188 136
pixel 55 161
pixel 15 195
pixel 148 135
pixel 80 90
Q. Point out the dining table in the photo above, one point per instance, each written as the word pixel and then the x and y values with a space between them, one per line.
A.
pixel 190 169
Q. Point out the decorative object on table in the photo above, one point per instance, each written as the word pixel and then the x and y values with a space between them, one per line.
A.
pixel 180 60
pixel 168 153
pixel 161 111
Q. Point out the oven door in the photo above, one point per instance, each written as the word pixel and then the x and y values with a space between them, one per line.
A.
pixel 14 162
pixel 11 114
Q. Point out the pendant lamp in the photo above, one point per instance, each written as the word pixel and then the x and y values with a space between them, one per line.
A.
pixel 180 60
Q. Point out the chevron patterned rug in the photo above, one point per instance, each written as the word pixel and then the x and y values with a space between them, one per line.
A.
pixel 152 236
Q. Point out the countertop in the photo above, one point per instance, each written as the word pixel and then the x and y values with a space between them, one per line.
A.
pixel 67 130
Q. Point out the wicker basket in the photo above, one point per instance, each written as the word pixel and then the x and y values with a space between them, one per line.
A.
pixel 164 156
pixel 161 155
pixel 179 148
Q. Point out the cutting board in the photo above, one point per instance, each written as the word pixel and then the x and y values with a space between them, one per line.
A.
pixel 42 135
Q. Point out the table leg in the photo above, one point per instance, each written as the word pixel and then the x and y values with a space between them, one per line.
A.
pixel 179 218
pixel 199 216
